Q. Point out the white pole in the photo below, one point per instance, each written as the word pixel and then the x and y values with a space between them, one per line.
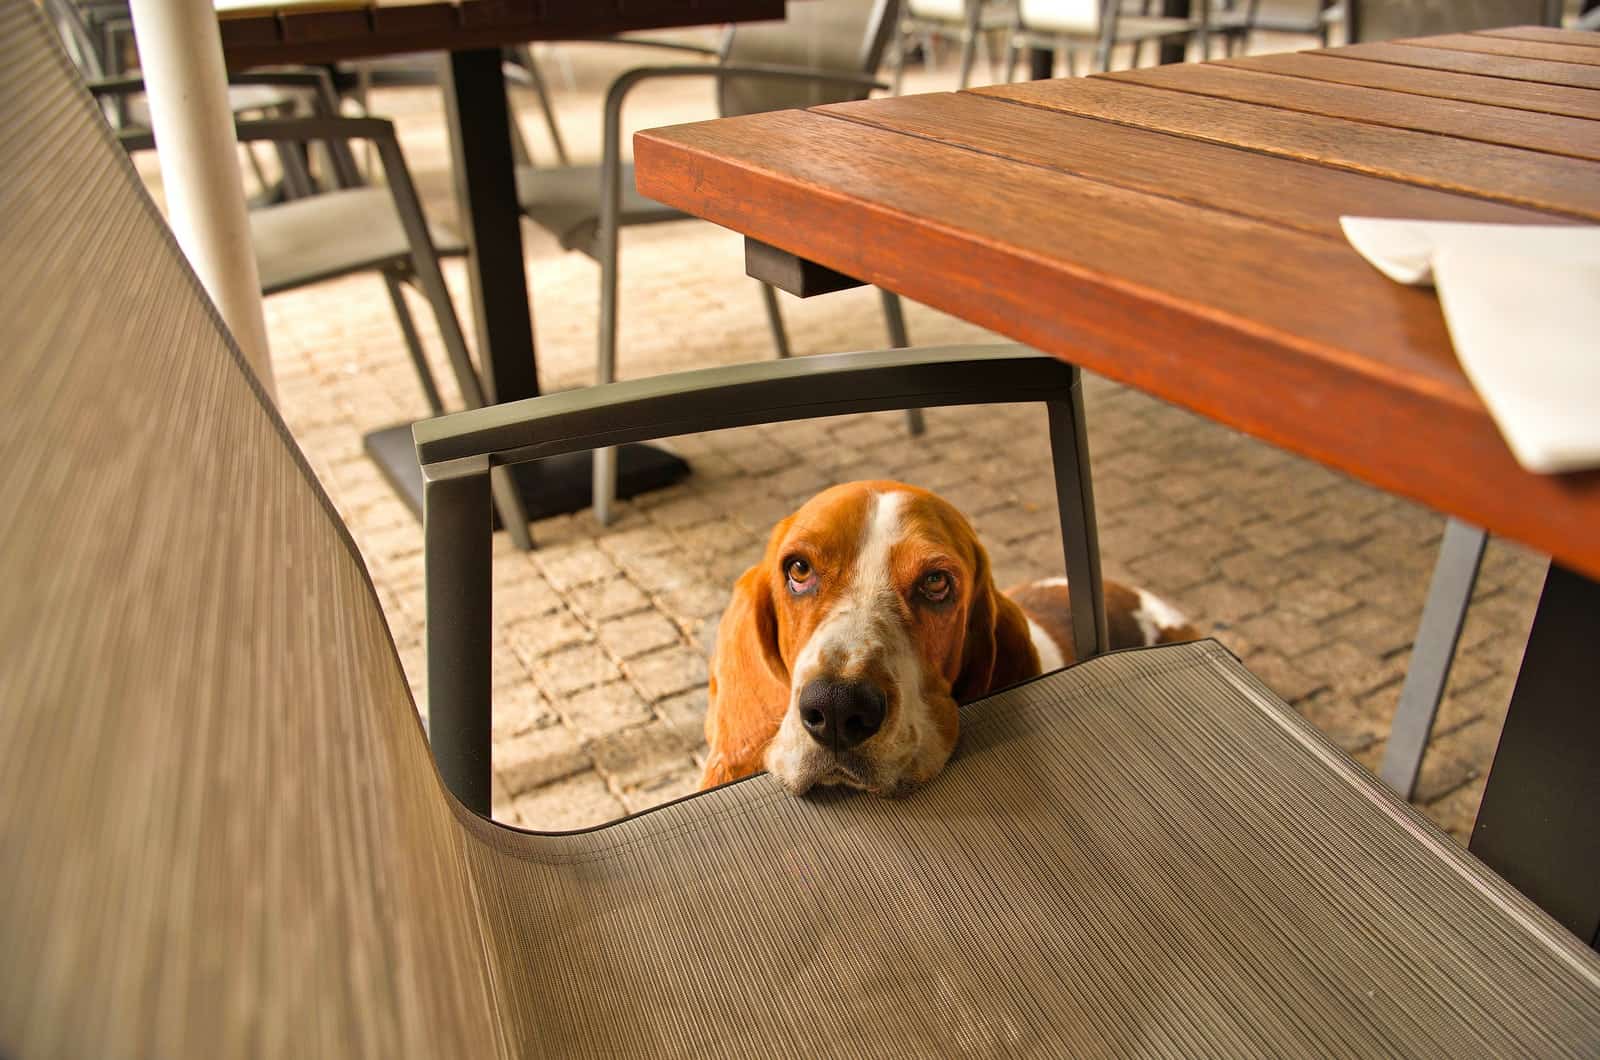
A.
pixel 180 52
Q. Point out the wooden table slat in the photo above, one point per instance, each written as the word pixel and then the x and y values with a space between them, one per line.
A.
pixel 1519 49
pixel 1506 174
pixel 1546 34
pixel 1437 84
pixel 1291 338
pixel 1298 195
pixel 1577 137
pixel 1569 75
pixel 324 31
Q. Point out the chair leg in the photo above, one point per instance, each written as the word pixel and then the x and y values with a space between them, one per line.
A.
pixel 408 328
pixel 604 484
pixel 1011 56
pixel 780 337
pixel 458 595
pixel 536 77
pixel 507 499
pixel 969 42
pixel 895 318
pixel 1080 540
pixel 897 81
pixel 425 268
pixel 1454 574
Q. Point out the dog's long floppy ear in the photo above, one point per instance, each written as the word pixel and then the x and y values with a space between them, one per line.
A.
pixel 999 650
pixel 749 689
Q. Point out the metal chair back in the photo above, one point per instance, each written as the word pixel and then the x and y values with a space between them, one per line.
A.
pixel 1378 20
pixel 848 36
pixel 1063 16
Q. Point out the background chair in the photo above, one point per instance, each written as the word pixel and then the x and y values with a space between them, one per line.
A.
pixel 223 834
pixel 1370 20
pixel 319 236
pixel 826 51
pixel 1072 25
pixel 1233 22
pixel 1299 16
pixel 969 22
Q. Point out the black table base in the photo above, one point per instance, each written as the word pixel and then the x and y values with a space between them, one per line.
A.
pixel 549 487
pixel 1537 824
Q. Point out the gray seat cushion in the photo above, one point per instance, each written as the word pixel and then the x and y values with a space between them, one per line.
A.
pixel 1148 854
pixel 304 241
pixel 565 201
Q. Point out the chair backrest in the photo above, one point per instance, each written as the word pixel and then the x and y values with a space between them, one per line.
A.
pixel 1062 16
pixel 1377 20
pixel 940 10
pixel 220 827
pixel 847 36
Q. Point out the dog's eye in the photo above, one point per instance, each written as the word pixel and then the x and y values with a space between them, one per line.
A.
pixel 801 577
pixel 935 586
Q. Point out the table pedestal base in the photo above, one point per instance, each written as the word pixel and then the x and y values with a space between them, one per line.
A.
pixel 549 487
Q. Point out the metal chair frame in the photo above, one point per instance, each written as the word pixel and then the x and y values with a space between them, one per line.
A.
pixel 419 266
pixel 609 221
pixel 1105 40
pixel 458 454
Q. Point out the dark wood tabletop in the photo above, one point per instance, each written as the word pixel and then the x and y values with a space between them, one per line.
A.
pixel 1177 229
pixel 321 31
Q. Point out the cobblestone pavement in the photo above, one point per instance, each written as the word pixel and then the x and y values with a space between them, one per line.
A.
pixel 599 662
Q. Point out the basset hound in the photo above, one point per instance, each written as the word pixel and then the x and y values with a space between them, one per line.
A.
pixel 843 654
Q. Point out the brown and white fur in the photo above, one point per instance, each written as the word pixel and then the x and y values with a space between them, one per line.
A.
pixel 873 611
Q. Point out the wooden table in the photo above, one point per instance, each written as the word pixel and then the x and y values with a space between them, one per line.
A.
pixel 1176 229
pixel 474 31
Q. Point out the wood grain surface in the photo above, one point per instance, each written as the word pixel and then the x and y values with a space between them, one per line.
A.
pixel 1439 84
pixel 294 33
pixel 1508 174
pixel 1287 192
pixel 1521 49
pixel 1547 34
pixel 1289 337
pixel 1469 121
pixel 1570 75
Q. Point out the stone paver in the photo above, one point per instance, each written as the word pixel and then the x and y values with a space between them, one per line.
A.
pixel 1314 580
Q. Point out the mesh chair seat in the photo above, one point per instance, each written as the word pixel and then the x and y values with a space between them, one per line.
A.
pixel 1145 854
pixel 307 240
pixel 565 202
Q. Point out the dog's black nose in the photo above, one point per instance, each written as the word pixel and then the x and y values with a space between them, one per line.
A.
pixel 840 714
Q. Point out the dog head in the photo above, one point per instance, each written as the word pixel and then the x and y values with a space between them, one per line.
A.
pixel 844 653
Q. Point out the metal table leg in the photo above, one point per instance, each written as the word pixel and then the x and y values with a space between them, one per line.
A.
pixel 1454 575
pixel 1536 826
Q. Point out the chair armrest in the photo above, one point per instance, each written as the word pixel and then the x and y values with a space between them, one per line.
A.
pixel 316 82
pixel 458 451
pixel 643 42
pixel 468 443
pixel 287 130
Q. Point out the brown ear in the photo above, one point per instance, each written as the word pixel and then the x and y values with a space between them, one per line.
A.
pixel 999 650
pixel 749 688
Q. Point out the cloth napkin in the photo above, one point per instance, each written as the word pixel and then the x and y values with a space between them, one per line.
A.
pixel 1522 303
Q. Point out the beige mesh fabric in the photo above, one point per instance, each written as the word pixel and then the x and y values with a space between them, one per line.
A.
pixel 219 827
pixel 221 833
pixel 1388 19
pixel 847 36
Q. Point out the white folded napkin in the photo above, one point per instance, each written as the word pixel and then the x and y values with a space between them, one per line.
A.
pixel 1522 303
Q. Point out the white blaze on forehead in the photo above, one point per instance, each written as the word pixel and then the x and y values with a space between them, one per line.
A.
pixel 855 627
pixel 863 625
pixel 872 574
